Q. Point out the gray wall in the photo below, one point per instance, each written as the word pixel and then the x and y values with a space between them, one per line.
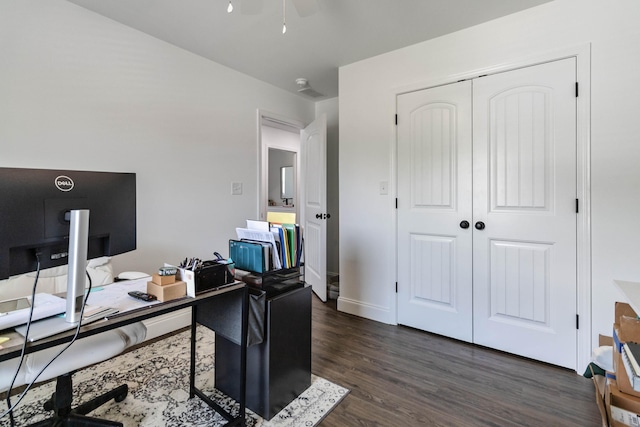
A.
pixel 79 91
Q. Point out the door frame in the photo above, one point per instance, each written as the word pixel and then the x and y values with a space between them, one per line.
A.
pixel 582 53
pixel 263 158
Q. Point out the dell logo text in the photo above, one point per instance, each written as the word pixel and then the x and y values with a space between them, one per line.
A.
pixel 64 183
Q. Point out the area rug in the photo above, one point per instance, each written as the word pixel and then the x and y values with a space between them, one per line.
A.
pixel 158 379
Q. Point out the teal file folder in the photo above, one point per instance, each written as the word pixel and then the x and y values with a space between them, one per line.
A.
pixel 247 255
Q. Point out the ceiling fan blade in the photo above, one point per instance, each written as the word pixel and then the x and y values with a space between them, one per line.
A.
pixel 251 7
pixel 306 7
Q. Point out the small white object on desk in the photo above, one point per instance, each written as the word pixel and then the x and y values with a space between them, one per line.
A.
pixel 46 305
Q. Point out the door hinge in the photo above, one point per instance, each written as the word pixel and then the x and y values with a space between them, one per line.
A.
pixel 396 287
pixel 396 120
pixel 576 89
pixel 577 321
pixel 577 206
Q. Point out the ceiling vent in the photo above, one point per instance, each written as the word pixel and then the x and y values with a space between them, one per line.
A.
pixel 305 89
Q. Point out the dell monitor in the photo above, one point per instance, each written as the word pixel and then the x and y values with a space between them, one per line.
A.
pixel 63 216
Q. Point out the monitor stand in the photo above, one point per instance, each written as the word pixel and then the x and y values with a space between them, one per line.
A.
pixel 76 270
pixel 46 327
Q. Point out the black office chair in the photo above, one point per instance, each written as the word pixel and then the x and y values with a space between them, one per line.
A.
pixel 65 415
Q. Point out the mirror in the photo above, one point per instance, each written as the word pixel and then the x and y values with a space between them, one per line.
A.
pixel 282 179
pixel 286 183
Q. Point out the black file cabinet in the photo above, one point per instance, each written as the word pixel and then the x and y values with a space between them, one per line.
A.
pixel 279 368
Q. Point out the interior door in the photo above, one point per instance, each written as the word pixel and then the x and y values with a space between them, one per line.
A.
pixel 313 147
pixel 434 210
pixel 524 202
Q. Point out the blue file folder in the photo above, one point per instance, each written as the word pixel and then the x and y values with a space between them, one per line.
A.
pixel 247 255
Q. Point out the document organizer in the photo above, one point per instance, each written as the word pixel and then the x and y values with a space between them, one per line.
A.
pixel 247 256
pixel 210 276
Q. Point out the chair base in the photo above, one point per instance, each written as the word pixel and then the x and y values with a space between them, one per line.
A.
pixel 64 415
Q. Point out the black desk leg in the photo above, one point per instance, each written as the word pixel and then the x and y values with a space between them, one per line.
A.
pixel 192 367
pixel 243 353
pixel 244 328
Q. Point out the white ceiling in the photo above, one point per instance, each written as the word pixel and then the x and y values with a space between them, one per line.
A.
pixel 342 32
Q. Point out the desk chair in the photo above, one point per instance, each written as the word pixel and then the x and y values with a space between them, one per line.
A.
pixel 80 354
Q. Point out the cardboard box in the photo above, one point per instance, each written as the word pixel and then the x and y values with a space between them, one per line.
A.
pixel 623 409
pixel 625 329
pixel 167 292
pixel 163 280
pixel 600 384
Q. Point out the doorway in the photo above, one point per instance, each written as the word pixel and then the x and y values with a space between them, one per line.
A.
pixel 486 214
pixel 297 152
pixel 279 140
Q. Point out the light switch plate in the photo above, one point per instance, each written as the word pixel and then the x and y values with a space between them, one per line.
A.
pixel 384 188
pixel 236 188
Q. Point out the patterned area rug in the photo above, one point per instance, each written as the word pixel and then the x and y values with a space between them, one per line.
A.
pixel 158 379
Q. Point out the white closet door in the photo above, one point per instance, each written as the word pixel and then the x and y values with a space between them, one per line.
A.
pixel 434 197
pixel 524 173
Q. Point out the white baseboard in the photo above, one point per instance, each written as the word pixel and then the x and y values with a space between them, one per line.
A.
pixel 368 311
pixel 158 326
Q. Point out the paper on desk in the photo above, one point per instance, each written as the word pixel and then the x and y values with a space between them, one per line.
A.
pixel 253 224
pixel 46 305
pixel 263 236
pixel 116 295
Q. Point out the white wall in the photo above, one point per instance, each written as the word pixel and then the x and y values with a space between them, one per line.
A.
pixel 79 91
pixel 367 140
pixel 330 108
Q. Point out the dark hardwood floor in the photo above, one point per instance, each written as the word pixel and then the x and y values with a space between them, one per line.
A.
pixel 400 376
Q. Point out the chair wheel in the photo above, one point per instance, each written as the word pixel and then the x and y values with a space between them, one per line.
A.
pixel 48 405
pixel 121 397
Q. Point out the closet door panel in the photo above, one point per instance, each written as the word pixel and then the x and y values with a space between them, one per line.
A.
pixel 524 259
pixel 434 197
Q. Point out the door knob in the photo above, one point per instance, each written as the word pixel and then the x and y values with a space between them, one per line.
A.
pixel 318 216
pixel 464 224
pixel 479 225
pixel 327 216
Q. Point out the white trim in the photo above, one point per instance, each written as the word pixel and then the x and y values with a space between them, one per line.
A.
pixel 583 167
pixel 393 187
pixel 582 53
pixel 368 311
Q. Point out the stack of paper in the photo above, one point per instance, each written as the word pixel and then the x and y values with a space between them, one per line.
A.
pixel 261 236
pixel 285 241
